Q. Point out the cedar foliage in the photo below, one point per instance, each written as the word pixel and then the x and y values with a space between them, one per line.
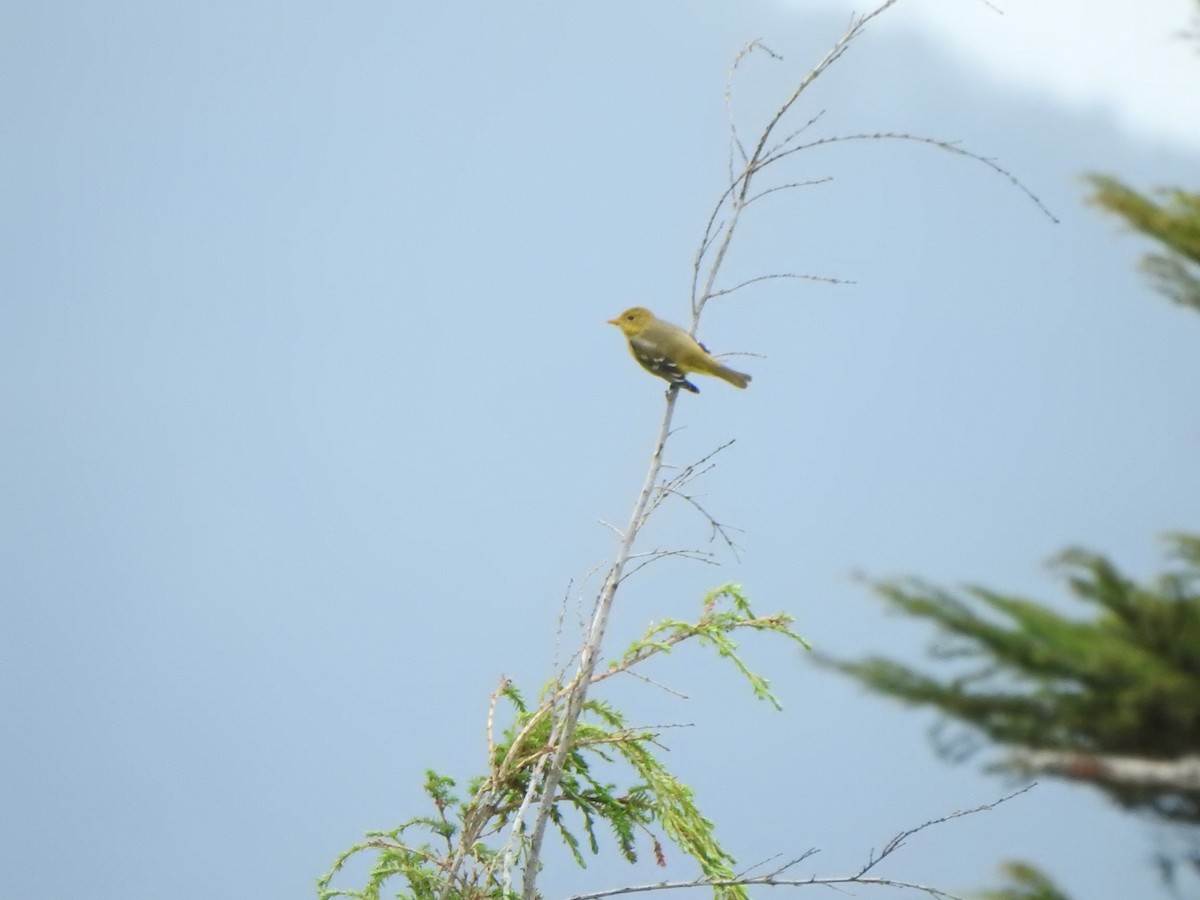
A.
pixel 1173 221
pixel 1123 683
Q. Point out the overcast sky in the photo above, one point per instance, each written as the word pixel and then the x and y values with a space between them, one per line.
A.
pixel 311 418
pixel 1131 60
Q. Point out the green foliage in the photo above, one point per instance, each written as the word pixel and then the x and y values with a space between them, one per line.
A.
pixel 1025 883
pixel 465 849
pixel 1125 682
pixel 1173 221
pixel 713 629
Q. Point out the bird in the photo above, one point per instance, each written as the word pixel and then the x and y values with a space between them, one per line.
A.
pixel 669 352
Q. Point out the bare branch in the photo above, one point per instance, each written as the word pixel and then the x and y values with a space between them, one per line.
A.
pixel 735 141
pixel 712 230
pixel 898 840
pixel 716 527
pixel 785 187
pixel 564 730
pixel 662 687
pixel 716 239
pixel 811 851
pixel 795 134
pixel 948 146
pixel 685 475
pixel 771 882
pixel 737 192
pixel 610 526
pixel 861 877
pixel 656 555
pixel 827 279
pixel 857 24
pixel 491 718
pixel 1182 774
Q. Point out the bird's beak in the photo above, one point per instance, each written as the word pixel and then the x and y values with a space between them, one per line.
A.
pixel 616 322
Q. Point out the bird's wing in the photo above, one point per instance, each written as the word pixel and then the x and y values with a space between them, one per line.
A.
pixel 654 360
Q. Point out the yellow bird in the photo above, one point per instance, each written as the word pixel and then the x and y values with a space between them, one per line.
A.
pixel 669 352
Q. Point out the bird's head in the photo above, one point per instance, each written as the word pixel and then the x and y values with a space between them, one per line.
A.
pixel 633 320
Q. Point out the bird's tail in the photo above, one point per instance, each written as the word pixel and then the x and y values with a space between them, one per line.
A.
pixel 737 379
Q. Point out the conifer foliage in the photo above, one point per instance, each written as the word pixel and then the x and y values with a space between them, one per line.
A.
pixel 1173 221
pixel 1111 699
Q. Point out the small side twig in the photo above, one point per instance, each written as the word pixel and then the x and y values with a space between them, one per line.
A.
pixel 826 279
pixel 654 556
pixel 948 146
pixel 861 877
pixel 898 840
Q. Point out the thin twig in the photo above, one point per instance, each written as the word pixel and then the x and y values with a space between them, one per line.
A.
pixel 898 840
pixel 662 687
pixel 491 718
pixel 737 192
pixel 948 146
pixel 784 187
pixel 717 528
pixel 860 877
pixel 833 882
pixel 656 555
pixel 795 134
pixel 790 275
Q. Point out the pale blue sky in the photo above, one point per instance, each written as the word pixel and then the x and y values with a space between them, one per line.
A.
pixel 310 416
